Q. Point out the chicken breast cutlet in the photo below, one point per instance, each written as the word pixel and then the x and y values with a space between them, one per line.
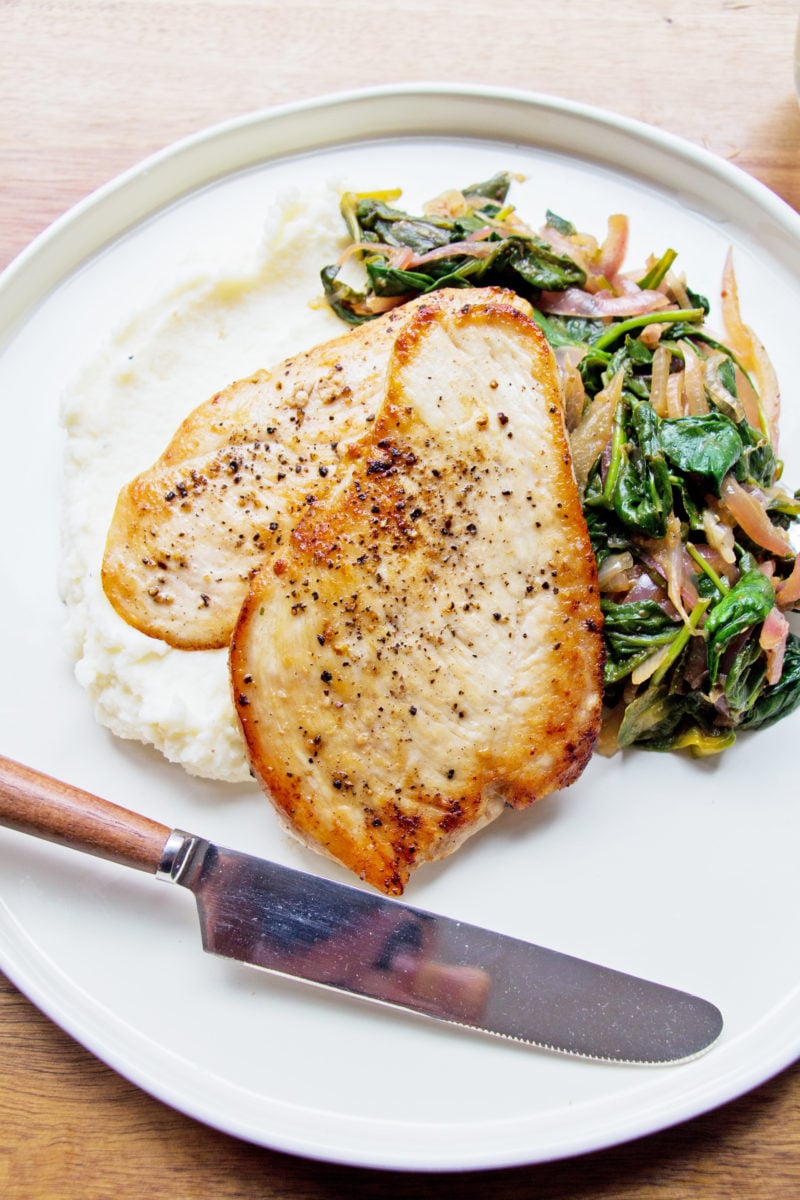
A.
pixel 426 648
pixel 189 533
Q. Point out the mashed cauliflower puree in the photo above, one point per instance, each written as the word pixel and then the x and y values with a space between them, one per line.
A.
pixel 118 417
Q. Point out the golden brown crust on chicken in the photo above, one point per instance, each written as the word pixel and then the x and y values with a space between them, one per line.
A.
pixel 426 648
pixel 189 533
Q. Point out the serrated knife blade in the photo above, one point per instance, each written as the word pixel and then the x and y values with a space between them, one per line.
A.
pixel 339 937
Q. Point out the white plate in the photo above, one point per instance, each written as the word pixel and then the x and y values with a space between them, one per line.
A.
pixel 681 871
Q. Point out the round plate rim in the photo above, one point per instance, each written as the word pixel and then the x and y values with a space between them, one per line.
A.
pixel 172 172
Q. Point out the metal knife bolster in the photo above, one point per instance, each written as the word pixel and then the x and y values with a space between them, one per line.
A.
pixel 179 856
pixel 354 941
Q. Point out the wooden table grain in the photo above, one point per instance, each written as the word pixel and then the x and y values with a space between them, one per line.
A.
pixel 88 88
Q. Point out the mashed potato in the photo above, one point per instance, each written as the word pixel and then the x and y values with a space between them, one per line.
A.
pixel 118 417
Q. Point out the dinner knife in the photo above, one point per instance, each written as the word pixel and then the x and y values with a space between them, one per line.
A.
pixel 341 937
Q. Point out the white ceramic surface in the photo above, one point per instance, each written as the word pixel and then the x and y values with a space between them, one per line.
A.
pixel 682 871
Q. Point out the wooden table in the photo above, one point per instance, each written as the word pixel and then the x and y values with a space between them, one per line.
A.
pixel 87 88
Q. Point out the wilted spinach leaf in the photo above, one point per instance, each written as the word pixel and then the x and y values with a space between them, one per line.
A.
pixel 707 445
pixel 389 281
pixel 568 331
pixel 559 223
pixel 633 631
pixel 533 262
pixel 495 188
pixel 343 299
pixel 606 533
pixel 593 370
pixel 598 367
pixel 781 698
pixel 654 715
pixel 643 494
pixel 748 603
pixel 697 300
pixel 745 680
pixel 758 464
pixel 396 228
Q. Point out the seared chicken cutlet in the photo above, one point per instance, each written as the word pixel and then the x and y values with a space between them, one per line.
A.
pixel 189 533
pixel 426 647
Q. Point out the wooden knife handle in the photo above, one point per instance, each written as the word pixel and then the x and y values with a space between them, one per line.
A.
pixel 47 808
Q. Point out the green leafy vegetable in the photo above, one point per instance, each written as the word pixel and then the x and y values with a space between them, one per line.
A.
pixel 758 464
pixel 533 262
pixel 569 331
pixel 745 681
pixel 748 603
pixel 633 632
pixel 687 589
pixel 495 188
pixel 407 259
pixel 706 445
pixel 343 299
pixel 643 492
pixel 654 716
pixel 560 224
pixel 780 698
